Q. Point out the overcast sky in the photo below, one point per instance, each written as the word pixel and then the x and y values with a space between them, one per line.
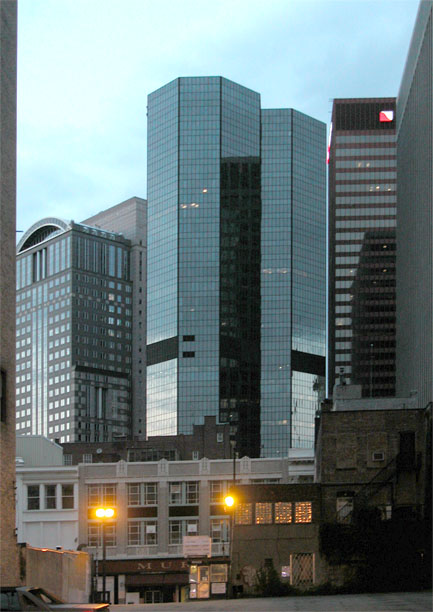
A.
pixel 85 68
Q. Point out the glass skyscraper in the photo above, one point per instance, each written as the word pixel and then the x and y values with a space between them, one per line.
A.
pixel 236 265
pixel 362 237
pixel 73 338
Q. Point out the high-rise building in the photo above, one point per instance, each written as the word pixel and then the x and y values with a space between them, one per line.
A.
pixel 8 93
pixel 236 265
pixel 361 226
pixel 129 218
pixel 73 338
pixel 414 218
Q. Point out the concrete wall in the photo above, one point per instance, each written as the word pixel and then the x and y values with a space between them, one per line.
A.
pixel 8 60
pixel 415 215
pixel 66 574
pixel 38 450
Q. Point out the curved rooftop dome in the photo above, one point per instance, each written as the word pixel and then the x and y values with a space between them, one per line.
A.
pixel 40 231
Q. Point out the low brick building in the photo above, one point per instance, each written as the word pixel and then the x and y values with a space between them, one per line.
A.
pixel 210 440
pixel 277 525
pixel 372 462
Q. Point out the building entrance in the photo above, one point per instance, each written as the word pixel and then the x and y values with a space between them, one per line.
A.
pixel 154 596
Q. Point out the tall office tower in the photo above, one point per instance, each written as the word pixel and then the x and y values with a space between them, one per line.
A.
pixel 361 226
pixel 129 218
pixel 8 94
pixel 236 265
pixel 415 222
pixel 74 311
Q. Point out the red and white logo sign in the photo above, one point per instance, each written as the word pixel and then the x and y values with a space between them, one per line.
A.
pixel 386 116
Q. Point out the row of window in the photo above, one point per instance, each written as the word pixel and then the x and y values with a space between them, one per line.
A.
pixel 266 513
pixel 144 494
pixel 187 493
pixel 50 497
pixel 144 532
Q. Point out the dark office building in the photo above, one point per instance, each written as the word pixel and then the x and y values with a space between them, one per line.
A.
pixel 236 265
pixel 129 218
pixel 73 340
pixel 415 215
pixel 362 222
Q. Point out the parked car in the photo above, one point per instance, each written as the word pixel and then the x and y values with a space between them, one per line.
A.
pixel 35 598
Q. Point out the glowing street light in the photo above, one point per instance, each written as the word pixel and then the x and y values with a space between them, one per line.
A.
pixel 229 501
pixel 105 513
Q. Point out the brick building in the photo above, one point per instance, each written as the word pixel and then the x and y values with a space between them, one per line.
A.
pixel 372 462
pixel 8 92
pixel 209 440
pixel 277 525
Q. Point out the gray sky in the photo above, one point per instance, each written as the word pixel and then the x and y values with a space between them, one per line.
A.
pixel 85 68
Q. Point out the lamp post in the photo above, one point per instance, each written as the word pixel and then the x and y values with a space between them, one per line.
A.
pixel 229 506
pixel 103 514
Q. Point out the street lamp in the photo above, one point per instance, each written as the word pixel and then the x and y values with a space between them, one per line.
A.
pixel 229 506
pixel 103 514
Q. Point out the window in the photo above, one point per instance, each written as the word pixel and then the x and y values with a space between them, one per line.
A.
pixel 219 530
pixel 188 338
pixel 67 496
pixel 303 512
pixel 220 437
pixel 195 455
pixel 142 533
pixel 33 499
pixel 192 492
pixel 94 534
pixel 344 508
pixel 88 458
pixel 302 568
pixel 263 513
pixel 143 494
pixel 184 493
pixel 50 497
pixel 188 354
pixel 283 512
pixel 244 514
pixel 101 495
pixel 179 528
pixel 175 492
pixel 217 490
pixel 218 572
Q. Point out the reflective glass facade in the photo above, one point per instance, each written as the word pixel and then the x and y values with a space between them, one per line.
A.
pixel 362 226
pixel 293 286
pixel 73 333
pixel 220 222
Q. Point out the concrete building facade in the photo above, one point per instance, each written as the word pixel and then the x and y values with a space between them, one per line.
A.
pixel 47 496
pixel 8 93
pixel 415 220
